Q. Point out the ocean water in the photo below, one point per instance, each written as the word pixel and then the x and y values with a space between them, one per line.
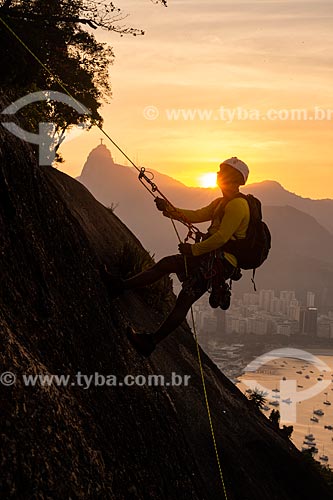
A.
pixel 300 387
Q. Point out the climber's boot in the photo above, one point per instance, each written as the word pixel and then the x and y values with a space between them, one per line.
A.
pixel 143 342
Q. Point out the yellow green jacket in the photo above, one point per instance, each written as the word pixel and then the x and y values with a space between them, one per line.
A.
pixel 230 225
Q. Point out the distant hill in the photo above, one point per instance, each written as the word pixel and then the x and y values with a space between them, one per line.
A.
pixel 272 193
pixel 111 182
pixel 302 255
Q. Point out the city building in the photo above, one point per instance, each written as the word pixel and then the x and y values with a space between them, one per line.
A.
pixel 308 321
pixel 265 299
pixel 284 329
pixel 265 313
pixel 310 299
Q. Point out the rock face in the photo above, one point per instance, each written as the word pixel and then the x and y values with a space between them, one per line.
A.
pixel 138 442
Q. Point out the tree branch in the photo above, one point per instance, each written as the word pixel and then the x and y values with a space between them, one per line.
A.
pixel 94 24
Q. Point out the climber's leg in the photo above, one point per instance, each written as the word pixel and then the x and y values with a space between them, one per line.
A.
pixel 167 265
pixel 176 316
pixel 145 343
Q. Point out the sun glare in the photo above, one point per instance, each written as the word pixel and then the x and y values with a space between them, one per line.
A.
pixel 208 180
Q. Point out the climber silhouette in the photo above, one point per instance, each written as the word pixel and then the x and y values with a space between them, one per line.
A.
pixel 229 216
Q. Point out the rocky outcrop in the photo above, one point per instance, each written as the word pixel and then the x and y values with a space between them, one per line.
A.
pixel 137 442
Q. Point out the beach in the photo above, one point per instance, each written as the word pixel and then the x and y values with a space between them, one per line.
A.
pixel 298 388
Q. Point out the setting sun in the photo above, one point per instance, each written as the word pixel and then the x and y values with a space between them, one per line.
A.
pixel 208 180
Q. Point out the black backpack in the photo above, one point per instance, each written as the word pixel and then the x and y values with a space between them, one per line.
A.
pixel 252 250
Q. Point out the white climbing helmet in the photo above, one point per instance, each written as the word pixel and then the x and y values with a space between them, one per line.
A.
pixel 238 165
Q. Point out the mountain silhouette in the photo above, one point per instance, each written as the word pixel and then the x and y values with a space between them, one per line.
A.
pixel 272 193
pixel 118 443
pixel 301 258
pixel 111 182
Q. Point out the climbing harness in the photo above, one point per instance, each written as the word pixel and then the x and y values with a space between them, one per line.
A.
pixel 219 289
pixel 193 233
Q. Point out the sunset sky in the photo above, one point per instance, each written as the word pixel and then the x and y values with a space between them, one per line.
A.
pixel 244 56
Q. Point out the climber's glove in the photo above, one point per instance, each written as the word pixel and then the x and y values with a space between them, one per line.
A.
pixel 161 204
pixel 185 248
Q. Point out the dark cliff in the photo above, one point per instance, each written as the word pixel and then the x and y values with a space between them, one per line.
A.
pixel 110 442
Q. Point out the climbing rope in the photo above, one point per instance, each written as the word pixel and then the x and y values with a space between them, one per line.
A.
pixel 154 188
pixel 193 232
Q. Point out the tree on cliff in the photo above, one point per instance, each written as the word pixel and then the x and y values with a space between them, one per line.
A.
pixel 60 33
pixel 258 398
pixel 286 430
